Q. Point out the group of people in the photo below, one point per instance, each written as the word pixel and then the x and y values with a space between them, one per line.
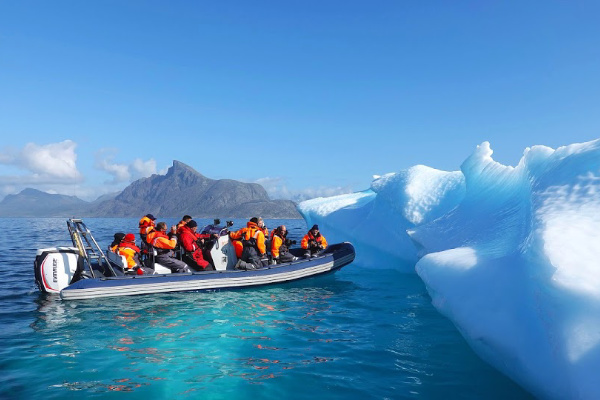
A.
pixel 155 237
pixel 250 244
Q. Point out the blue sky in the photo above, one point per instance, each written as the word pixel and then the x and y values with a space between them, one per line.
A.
pixel 307 97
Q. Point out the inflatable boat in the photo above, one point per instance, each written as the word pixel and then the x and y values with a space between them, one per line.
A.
pixel 84 271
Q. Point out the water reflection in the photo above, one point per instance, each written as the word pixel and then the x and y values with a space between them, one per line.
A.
pixel 193 338
pixel 270 342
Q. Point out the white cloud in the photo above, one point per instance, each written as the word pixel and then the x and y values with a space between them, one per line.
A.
pixel 53 168
pixel 142 169
pixel 277 189
pixel 50 163
pixel 55 160
pixel 40 166
pixel 124 172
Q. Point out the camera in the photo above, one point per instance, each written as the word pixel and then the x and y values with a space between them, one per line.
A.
pixel 229 223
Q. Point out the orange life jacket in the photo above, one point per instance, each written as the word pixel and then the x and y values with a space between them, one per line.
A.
pixel 238 247
pixel 276 242
pixel 160 240
pixel 320 239
pixel 129 250
pixel 146 225
pixel 251 231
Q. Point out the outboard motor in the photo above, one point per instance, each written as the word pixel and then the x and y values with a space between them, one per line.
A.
pixel 216 228
pixel 55 268
pixel 221 250
pixel 223 254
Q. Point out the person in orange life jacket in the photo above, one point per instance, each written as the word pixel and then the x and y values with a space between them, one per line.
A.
pixel 313 242
pixel 280 246
pixel 146 226
pixel 253 240
pixel 182 223
pixel 117 238
pixel 239 247
pixel 236 242
pixel 131 252
pixel 265 231
pixel 263 227
pixel 192 243
pixel 164 245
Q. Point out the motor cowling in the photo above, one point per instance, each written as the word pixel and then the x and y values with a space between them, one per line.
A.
pixel 223 254
pixel 54 268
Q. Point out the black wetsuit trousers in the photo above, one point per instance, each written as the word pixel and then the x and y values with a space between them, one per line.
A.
pixel 250 255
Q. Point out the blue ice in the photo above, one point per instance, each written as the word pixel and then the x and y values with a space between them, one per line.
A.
pixel 511 255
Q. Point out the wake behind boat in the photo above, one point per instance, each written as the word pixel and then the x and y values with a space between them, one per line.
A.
pixel 85 271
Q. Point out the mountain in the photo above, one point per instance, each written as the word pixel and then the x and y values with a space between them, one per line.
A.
pixel 105 197
pixel 35 203
pixel 183 190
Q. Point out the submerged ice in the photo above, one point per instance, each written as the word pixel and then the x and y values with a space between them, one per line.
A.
pixel 509 254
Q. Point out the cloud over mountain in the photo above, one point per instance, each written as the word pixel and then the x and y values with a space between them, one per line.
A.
pixel 124 172
pixel 277 188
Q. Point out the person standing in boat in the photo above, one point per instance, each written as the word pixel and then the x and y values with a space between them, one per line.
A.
pixel 164 245
pixel 280 246
pixel 254 249
pixel 192 244
pixel 313 242
pixel 146 226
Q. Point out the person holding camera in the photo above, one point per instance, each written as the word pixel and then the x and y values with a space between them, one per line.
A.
pixel 164 244
pixel 253 242
pixel 193 242
pixel 313 242
pixel 280 245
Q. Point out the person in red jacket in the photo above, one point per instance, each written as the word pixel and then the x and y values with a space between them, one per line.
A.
pixel 313 242
pixel 164 245
pixel 192 243
pixel 253 240
pixel 182 223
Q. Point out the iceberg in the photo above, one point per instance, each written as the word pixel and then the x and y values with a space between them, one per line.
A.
pixel 377 219
pixel 509 254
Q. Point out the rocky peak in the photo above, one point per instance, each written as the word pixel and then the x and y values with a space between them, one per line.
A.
pixel 182 168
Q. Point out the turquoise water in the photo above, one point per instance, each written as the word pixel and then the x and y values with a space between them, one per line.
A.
pixel 359 333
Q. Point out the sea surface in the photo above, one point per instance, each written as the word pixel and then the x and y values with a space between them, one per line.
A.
pixel 356 334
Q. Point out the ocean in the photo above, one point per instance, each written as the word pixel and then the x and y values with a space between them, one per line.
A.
pixel 360 333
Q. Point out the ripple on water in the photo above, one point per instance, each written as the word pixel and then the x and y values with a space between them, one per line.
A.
pixel 354 334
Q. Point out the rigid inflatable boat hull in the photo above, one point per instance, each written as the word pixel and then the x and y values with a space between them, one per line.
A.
pixel 335 257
